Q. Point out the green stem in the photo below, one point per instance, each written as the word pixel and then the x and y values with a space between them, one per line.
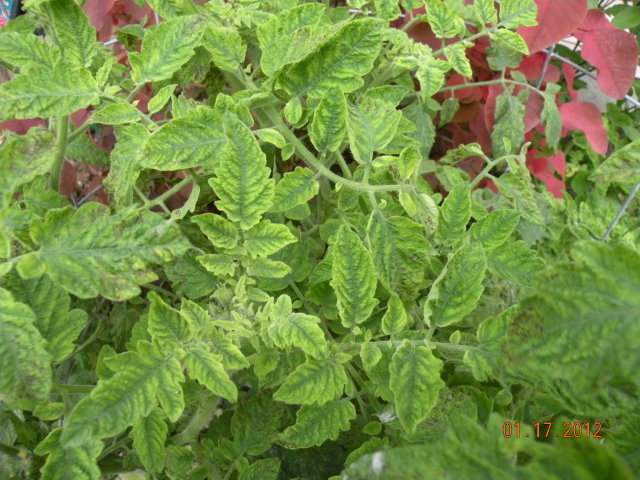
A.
pixel 485 171
pixel 500 81
pixel 199 421
pixel 61 148
pixel 312 161
pixel 169 193
pixel 133 93
pixel 343 165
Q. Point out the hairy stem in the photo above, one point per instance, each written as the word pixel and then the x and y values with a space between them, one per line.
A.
pixel 61 148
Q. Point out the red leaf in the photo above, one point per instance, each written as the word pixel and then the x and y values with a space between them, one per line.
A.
pixel 593 20
pixel 555 22
pixel 614 53
pixel 98 11
pixel 570 75
pixel 532 66
pixel 586 117
pixel 543 169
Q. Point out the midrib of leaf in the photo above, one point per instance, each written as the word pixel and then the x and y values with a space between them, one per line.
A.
pixel 189 145
pixel 532 7
pixel 146 379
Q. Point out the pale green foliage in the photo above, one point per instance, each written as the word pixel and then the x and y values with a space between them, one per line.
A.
pixel 149 434
pixel 69 463
pixel 22 159
pixel 116 114
pixel 454 215
pixel 24 360
pixel 395 319
pixel 316 381
pixel 226 47
pixel 167 325
pixel 415 383
pixel 443 19
pixel 341 62
pixel 371 126
pixel 512 40
pixel 353 278
pixel 90 253
pixel 27 51
pixel 242 179
pixel 508 131
pixel 286 328
pixel 207 368
pixel 161 98
pixel 294 188
pixel 194 139
pixel 457 56
pixel 165 48
pixel 140 378
pixel 45 92
pixel 550 115
pixel 400 252
pixel 125 162
pixel 290 36
pixel 220 231
pixel 166 8
pixel 316 424
pixel 72 29
pixel 485 11
pixel 623 166
pixel 329 125
pixel 456 291
pixel 267 238
pixel 495 228
pixel 516 262
pixel 516 13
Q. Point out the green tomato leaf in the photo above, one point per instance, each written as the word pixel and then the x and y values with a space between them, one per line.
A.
pixel 127 396
pixel 207 368
pixel 220 231
pixel 518 13
pixel 341 62
pixel 371 126
pixel 443 20
pixel 295 188
pixel 193 140
pixel 455 213
pixel 315 424
pixel 415 382
pixel 27 51
pixel 516 262
pixel 167 325
pixel 353 278
pixel 395 319
pixel 508 130
pixel 165 48
pixel 242 180
pixel 400 252
pixel 456 292
pixel 73 32
pixel 149 434
pixel 267 238
pixel 313 382
pixel 329 124
pixel 69 463
pixel 226 47
pixel 24 360
pixel 48 92
pixel 494 229
pixel 622 166
pixel 90 253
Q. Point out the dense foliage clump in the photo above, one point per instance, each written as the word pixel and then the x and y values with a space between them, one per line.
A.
pixel 374 239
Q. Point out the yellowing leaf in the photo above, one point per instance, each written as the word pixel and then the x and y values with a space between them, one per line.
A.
pixel 24 360
pixel 242 180
pixel 167 324
pixel 400 252
pixel 70 463
pixel 341 62
pixel 165 48
pixel 415 382
pixel 456 292
pixel 623 166
pixel 510 39
pixel 226 47
pixel 48 92
pixel 329 125
pixel 90 253
pixel 116 114
pixel 22 159
pixel 313 382
pixel 267 238
pixel 27 51
pixel 516 262
pixel 219 230
pixel 371 126
pixel 207 368
pixel 395 319
pixel 73 31
pixel 290 36
pixel 353 278
pixel 454 215
pixel 195 139
pixel 316 424
pixel 443 19
pixel 149 435
pixel 494 229
pixel 118 402
pixel 517 13
pixel 294 188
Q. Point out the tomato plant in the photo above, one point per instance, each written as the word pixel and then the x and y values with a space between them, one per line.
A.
pixel 280 239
